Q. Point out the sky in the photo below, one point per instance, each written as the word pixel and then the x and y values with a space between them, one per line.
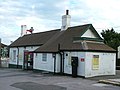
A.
pixel 45 15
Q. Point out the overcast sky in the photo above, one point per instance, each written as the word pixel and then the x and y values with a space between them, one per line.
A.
pixel 45 15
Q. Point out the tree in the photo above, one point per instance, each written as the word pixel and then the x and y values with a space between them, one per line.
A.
pixel 111 38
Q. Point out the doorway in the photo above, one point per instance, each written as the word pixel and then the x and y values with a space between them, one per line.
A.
pixel 74 63
pixel 28 60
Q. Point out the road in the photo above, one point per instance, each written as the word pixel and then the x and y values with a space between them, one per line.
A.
pixel 17 79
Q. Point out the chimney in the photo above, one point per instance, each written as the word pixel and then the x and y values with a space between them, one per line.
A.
pixel 23 30
pixel 66 20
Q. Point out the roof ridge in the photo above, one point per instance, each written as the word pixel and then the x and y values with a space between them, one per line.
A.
pixel 80 25
pixel 43 32
pixel 58 29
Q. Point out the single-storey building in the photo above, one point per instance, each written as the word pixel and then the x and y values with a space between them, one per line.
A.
pixel 77 50
pixel 21 50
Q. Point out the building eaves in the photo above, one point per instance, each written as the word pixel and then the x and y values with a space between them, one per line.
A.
pixel 35 39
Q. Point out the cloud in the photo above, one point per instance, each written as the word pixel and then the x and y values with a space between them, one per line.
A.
pixel 101 13
pixel 46 15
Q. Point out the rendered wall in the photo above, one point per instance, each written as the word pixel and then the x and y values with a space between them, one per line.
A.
pixel 89 34
pixel 106 66
pixel 19 54
pixel 47 65
pixel 81 64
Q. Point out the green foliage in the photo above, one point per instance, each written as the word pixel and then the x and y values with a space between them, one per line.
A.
pixel 111 38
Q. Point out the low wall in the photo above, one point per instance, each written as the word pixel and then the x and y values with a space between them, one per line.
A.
pixel 4 62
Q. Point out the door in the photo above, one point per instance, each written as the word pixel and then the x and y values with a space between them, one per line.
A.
pixel 28 60
pixel 74 63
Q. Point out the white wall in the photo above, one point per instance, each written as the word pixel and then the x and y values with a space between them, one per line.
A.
pixel 46 65
pixel 89 34
pixel 57 63
pixel 21 54
pixel 107 64
pixel 43 65
pixel 81 64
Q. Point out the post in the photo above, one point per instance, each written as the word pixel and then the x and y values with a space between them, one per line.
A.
pixel 0 52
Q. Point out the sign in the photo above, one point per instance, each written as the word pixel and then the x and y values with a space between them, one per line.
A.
pixel 82 59
pixel 95 62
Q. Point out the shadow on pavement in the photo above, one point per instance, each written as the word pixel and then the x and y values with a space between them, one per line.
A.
pixel 36 86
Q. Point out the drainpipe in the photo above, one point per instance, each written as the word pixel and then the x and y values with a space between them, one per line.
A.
pixel 54 56
pixel 61 60
pixel 61 65
pixel 18 58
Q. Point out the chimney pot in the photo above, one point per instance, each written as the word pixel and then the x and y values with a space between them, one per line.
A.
pixel 67 12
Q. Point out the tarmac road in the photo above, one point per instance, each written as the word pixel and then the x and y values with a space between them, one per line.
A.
pixel 17 79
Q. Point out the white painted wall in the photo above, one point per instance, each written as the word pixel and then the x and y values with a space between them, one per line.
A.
pixel 89 34
pixel 21 54
pixel 81 64
pixel 46 65
pixel 119 52
pixel 107 64
pixel 57 63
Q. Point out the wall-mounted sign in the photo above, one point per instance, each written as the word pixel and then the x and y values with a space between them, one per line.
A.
pixel 82 59
pixel 95 62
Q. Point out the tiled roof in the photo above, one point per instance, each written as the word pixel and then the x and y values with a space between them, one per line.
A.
pixel 3 45
pixel 98 46
pixel 57 40
pixel 35 39
pixel 64 41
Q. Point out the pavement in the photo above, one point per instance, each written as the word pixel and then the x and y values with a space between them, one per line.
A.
pixel 17 79
pixel 109 79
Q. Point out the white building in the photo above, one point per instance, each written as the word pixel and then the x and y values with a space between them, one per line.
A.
pixel 21 50
pixel 78 51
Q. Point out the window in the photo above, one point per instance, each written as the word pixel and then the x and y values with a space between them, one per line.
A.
pixel 95 62
pixel 14 55
pixel 44 57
